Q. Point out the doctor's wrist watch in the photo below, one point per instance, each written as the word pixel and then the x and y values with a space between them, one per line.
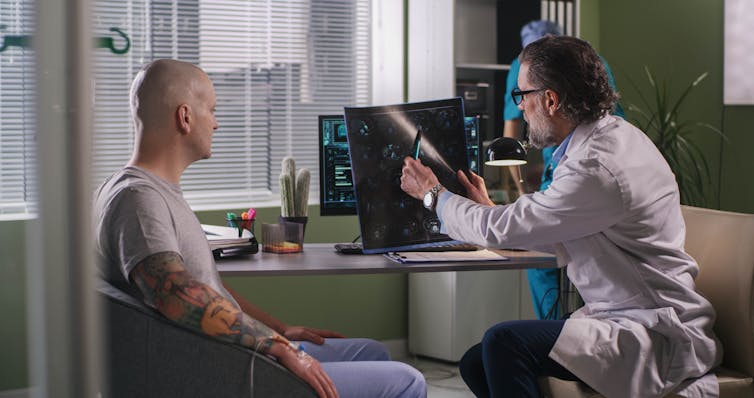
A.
pixel 430 198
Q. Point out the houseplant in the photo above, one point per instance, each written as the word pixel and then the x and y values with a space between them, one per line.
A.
pixel 659 119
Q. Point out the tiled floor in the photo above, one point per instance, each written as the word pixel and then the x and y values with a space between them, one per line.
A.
pixel 443 379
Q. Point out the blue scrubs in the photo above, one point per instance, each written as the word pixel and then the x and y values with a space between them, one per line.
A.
pixel 543 283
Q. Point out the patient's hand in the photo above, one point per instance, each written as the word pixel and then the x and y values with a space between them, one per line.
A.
pixel 301 333
pixel 307 368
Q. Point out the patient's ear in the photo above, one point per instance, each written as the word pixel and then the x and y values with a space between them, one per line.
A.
pixel 184 117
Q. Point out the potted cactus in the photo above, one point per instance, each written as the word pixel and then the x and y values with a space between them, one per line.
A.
pixel 294 192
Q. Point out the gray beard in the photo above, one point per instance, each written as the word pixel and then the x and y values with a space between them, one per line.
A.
pixel 540 135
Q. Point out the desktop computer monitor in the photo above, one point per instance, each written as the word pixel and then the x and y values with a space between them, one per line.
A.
pixel 473 140
pixel 336 193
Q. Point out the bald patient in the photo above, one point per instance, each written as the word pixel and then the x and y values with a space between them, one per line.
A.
pixel 151 245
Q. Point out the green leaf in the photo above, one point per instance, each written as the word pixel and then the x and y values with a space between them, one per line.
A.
pixel 674 137
pixel 649 76
pixel 687 91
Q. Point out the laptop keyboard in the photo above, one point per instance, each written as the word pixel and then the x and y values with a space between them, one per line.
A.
pixel 356 248
pixel 448 247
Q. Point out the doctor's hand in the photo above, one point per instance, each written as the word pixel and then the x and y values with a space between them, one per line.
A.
pixel 301 333
pixel 416 178
pixel 475 188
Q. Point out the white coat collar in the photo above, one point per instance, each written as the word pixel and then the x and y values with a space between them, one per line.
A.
pixel 582 133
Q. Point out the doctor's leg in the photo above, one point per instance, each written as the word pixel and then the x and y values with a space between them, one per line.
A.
pixel 472 371
pixel 515 355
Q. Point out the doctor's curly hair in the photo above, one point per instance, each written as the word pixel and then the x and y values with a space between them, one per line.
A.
pixel 571 68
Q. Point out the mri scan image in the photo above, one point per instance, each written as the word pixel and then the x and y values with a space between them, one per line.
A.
pixel 379 138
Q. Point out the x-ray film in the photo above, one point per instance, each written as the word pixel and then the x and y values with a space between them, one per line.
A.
pixel 379 138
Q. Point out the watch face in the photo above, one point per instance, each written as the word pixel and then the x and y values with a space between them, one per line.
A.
pixel 428 199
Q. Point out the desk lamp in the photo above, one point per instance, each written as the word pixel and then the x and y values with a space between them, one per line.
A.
pixel 506 151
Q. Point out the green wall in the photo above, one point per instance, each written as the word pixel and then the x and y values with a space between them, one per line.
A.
pixel 679 40
pixel 13 361
pixel 738 190
pixel 589 29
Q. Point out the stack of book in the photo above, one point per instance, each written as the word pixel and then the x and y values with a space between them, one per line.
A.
pixel 224 241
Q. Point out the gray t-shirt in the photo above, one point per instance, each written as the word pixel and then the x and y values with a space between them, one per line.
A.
pixel 137 214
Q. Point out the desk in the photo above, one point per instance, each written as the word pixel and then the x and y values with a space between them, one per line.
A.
pixel 322 259
pixel 433 307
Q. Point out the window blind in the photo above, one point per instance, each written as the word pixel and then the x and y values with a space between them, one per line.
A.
pixel 17 113
pixel 564 13
pixel 275 65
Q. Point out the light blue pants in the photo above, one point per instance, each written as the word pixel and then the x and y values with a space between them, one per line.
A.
pixel 362 368
pixel 543 285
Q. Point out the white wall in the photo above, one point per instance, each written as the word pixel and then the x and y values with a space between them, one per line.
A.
pixel 431 70
pixel 739 53
pixel 387 52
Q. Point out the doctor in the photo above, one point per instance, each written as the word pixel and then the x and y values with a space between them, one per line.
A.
pixel 612 215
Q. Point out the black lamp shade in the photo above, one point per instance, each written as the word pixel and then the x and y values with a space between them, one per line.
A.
pixel 505 151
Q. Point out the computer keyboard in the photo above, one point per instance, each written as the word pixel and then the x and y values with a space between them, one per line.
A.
pixel 348 248
pixel 356 248
pixel 448 247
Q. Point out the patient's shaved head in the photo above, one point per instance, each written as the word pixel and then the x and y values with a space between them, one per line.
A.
pixel 160 87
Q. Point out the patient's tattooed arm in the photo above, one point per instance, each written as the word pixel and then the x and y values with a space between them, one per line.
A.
pixel 169 288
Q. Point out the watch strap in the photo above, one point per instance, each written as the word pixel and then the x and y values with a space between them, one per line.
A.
pixel 434 192
pixel 436 189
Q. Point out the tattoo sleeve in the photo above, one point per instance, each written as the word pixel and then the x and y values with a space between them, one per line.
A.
pixel 169 288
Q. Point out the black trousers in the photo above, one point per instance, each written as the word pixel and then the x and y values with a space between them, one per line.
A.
pixel 511 357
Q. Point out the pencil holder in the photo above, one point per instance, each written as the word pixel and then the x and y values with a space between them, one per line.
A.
pixel 241 225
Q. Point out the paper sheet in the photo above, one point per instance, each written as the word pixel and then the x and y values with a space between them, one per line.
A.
pixel 449 256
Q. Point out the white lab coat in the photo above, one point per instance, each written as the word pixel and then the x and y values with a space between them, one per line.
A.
pixel 612 215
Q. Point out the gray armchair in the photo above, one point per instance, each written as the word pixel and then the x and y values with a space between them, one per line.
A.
pixel 149 356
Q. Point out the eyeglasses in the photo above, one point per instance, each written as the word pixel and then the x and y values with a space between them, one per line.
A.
pixel 518 95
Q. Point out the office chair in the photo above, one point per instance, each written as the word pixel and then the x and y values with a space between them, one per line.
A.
pixel 149 356
pixel 721 242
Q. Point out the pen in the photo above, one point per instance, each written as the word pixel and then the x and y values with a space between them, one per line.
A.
pixel 233 222
pixel 231 219
pixel 247 220
pixel 417 142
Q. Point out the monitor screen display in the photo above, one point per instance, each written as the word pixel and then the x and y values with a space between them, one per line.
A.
pixel 471 127
pixel 379 139
pixel 336 194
